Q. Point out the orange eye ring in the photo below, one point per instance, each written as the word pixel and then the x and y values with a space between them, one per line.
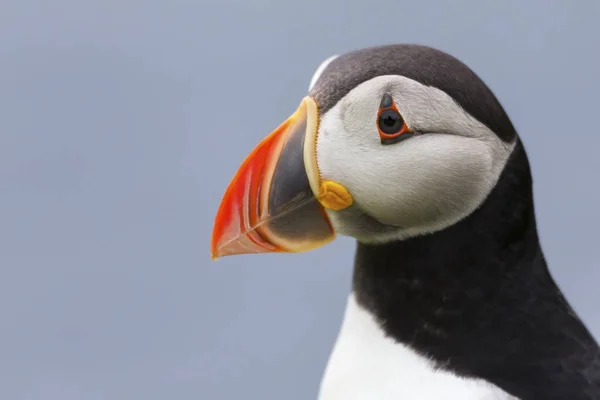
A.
pixel 390 124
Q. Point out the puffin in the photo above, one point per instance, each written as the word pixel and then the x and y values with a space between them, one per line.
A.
pixel 405 149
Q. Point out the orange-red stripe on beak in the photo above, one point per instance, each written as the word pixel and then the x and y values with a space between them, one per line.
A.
pixel 269 205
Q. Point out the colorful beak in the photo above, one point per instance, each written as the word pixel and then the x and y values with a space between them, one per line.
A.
pixel 270 205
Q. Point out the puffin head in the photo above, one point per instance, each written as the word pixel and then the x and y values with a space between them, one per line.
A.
pixel 390 143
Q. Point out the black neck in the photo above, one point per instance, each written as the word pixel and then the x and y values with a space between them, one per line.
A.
pixel 478 298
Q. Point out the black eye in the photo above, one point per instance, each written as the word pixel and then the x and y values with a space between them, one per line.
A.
pixel 391 125
pixel 390 122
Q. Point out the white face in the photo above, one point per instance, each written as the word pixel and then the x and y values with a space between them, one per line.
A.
pixel 416 186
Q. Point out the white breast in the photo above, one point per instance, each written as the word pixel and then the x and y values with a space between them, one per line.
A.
pixel 367 365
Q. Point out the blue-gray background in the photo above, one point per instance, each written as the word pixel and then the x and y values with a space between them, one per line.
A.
pixel 121 123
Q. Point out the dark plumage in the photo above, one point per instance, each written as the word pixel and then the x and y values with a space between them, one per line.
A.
pixel 421 63
pixel 478 298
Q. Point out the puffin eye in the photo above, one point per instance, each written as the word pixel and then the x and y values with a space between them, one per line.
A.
pixel 390 123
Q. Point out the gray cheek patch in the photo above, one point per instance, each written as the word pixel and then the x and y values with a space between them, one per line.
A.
pixel 414 187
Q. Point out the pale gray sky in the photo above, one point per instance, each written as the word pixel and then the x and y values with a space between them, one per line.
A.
pixel 121 124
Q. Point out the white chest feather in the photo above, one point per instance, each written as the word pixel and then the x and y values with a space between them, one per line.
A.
pixel 367 365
